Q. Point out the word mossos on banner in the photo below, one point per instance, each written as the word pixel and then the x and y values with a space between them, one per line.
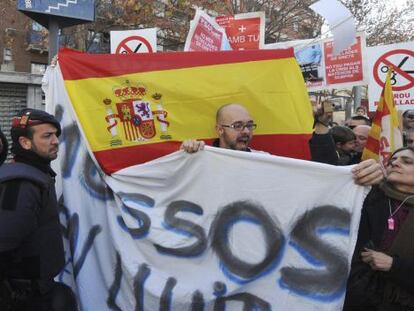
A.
pixel 236 249
pixel 401 58
pixel 134 41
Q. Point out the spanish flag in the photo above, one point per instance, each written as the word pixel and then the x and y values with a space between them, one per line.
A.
pixel 385 135
pixel 138 107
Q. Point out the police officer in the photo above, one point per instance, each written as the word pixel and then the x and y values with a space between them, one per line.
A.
pixel 31 246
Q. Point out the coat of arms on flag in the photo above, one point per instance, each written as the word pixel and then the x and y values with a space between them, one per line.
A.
pixel 135 114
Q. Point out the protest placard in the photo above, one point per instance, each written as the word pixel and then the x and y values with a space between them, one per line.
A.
pixel 245 31
pixel 134 41
pixel 322 70
pixel 400 57
pixel 205 34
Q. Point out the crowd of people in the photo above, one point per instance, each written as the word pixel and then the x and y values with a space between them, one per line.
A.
pixel 31 251
pixel 383 261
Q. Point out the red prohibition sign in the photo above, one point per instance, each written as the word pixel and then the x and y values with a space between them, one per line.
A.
pixel 138 39
pixel 383 61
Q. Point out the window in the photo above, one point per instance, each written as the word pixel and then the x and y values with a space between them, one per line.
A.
pixel 296 26
pixel 38 68
pixel 7 55
pixel 36 26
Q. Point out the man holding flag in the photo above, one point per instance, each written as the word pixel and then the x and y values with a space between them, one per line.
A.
pixel 236 119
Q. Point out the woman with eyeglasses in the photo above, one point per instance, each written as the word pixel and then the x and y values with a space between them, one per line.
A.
pixel 382 270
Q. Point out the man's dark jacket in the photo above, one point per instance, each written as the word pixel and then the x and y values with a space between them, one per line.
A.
pixel 322 148
pixel 31 244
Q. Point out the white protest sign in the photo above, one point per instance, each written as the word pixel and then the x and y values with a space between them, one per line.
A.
pixel 205 34
pixel 400 57
pixel 134 41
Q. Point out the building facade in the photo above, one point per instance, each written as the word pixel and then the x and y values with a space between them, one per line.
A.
pixel 23 59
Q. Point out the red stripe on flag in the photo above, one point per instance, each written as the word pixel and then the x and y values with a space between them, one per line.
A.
pixel 377 118
pixel 293 146
pixel 372 144
pixel 385 109
pixel 284 145
pixel 379 114
pixel 75 65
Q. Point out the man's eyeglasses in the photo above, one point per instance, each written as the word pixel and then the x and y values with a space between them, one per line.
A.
pixel 239 126
pixel 410 116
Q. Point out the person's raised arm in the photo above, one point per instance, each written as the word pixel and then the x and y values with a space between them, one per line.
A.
pixel 321 144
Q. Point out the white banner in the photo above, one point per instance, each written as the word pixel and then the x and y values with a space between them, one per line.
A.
pixel 400 57
pixel 216 230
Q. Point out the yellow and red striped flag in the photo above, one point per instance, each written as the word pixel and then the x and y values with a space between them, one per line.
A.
pixel 385 135
pixel 137 107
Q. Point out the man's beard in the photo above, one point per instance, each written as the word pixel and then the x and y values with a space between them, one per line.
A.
pixel 48 156
pixel 244 140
